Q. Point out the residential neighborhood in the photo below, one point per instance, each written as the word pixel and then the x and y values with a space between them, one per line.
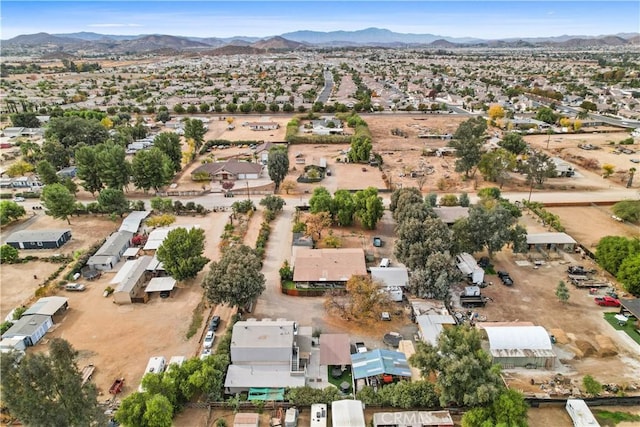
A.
pixel 367 235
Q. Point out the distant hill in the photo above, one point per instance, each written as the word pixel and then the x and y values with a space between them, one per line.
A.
pixel 83 43
pixel 277 43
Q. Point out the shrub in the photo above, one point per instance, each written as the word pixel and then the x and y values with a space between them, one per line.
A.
pixel 8 254
pixel 449 200
pixel 4 326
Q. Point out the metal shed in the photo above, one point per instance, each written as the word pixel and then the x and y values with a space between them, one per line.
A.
pixel 520 346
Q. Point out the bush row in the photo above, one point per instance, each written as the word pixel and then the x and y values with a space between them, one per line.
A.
pixel 547 217
pixel 82 260
pixel 217 142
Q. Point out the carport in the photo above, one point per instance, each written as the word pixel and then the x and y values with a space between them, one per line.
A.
pixel 159 284
pixel 630 307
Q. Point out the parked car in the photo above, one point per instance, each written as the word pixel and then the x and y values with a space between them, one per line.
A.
pixel 607 301
pixel 215 322
pixel 205 353
pixel 74 287
pixel 385 316
pixel 209 339
pixel 18 199
pixel 506 278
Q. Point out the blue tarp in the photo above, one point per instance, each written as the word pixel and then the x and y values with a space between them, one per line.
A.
pixel 378 362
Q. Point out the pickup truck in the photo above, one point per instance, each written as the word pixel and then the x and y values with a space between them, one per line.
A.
pixel 607 301
pixel 473 301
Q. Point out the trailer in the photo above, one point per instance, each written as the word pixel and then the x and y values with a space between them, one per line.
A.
pixel 117 386
pixel 580 413
pixel 590 283
pixel 467 264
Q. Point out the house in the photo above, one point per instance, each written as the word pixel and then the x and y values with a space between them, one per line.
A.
pixel 111 251
pixel 263 126
pixel 392 279
pixel 412 419
pixel 334 350
pixel 267 354
pixel 30 329
pixel 230 170
pixel 48 306
pixel 519 345
pixel 39 239
pixel 379 366
pixel 430 326
pixel 157 236
pixel 26 183
pixel 327 126
pixel 563 169
pixel 551 242
pixel 347 413
pixel 327 266
pixel 129 281
pixel 262 151
pixel 450 214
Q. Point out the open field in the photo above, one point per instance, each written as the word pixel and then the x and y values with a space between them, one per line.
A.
pixel 119 339
pixel 19 281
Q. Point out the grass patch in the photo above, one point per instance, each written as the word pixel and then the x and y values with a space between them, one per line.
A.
pixel 608 418
pixel 346 376
pixel 629 327
pixel 196 319
pixel 288 284
pixel 490 270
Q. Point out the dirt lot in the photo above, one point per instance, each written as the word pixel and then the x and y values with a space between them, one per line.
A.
pixel 599 220
pixel 577 323
pixel 19 281
pixel 107 335
pixel 566 146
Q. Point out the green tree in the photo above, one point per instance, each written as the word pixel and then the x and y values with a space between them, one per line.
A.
pixel 468 140
pixel 508 410
pixel 419 239
pixel 273 107
pixel 464 200
pixel 260 107
pixel 489 227
pixel 368 207
pixel 466 376
pixel 181 253
pixel 112 200
pixel 194 129
pixel 71 131
pixel 629 274
pixel 408 195
pixel 539 167
pixel 159 412
pixel 56 154
pixel 10 211
pixel 344 207
pixel 46 172
pixel 179 109
pixel 58 201
pixel 236 279
pixel 611 251
pixel 360 149
pixel 434 279
pixel 246 107
pixel 163 116
pixel 47 389
pixel 278 165
pixel 273 203
pixel 514 143
pixel 231 107
pixel 591 386
pixel 546 115
pixel 562 292
pixel 151 169
pixel 26 119
pixel 113 168
pixel 8 254
pixel 320 200
pixel 169 144
pixel 496 165
pixel 88 169
pixel 628 210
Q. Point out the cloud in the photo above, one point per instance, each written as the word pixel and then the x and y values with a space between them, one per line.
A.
pixel 114 25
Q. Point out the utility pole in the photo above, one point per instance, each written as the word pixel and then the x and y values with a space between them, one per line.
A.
pixel 248 194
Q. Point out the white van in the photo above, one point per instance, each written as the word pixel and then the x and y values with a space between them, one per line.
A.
pixel 384 263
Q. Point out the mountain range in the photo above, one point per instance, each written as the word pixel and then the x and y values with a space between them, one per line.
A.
pixel 93 43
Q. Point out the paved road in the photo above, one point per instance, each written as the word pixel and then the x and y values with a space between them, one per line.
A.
pixel 327 89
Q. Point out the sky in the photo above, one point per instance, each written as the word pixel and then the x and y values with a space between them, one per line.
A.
pixel 207 18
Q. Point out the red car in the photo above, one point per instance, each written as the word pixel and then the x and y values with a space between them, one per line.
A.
pixel 607 301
